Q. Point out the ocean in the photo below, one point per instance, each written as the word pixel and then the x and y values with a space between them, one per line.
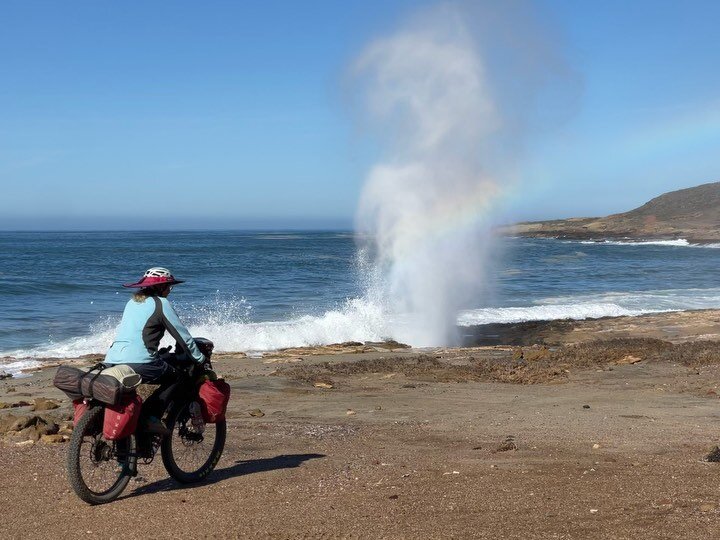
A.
pixel 257 291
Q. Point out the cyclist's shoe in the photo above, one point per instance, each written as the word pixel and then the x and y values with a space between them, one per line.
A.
pixel 153 424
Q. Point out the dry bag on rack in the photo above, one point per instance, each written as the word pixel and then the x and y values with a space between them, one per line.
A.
pixel 67 379
pixel 214 397
pixel 104 384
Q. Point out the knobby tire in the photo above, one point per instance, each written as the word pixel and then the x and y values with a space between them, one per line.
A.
pixel 170 442
pixel 90 425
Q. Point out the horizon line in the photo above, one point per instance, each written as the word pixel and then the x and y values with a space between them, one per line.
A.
pixel 258 230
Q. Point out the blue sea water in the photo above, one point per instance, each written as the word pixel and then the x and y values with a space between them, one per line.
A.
pixel 62 296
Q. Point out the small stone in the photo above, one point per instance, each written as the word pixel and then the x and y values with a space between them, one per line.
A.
pixel 350 412
pixel 53 439
pixel 596 446
pixel 593 511
pixel 507 445
pixel 707 507
pixel 629 359
pixel 28 442
pixel 257 413
pixel 20 423
pixel 322 385
pixel 42 404
pixel 586 406
pixel 20 404
pixel 714 455
pixel 393 497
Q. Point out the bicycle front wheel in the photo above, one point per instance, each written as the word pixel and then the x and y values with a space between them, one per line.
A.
pixel 190 455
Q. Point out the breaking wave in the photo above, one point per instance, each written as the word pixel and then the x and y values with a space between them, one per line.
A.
pixel 593 306
pixel 16 367
pixel 356 320
pixel 680 242
pixel 543 313
pixel 360 319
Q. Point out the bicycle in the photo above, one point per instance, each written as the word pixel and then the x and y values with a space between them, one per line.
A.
pixel 99 469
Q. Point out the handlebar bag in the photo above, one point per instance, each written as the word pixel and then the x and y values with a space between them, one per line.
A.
pixel 214 397
pixel 121 419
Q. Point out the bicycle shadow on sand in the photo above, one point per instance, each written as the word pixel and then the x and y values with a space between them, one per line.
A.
pixel 240 468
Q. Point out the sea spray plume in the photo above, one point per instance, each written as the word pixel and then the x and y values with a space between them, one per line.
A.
pixel 453 95
pixel 423 205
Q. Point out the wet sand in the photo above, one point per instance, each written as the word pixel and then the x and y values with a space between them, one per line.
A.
pixel 596 440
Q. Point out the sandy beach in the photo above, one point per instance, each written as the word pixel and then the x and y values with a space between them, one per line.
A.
pixel 567 438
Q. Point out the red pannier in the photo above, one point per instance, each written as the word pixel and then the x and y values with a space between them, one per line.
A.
pixel 122 419
pixel 214 397
pixel 79 407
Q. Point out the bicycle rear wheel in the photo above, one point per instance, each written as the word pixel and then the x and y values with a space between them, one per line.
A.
pixel 189 456
pixel 98 469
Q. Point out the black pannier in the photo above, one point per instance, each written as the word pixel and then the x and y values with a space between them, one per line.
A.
pixel 78 384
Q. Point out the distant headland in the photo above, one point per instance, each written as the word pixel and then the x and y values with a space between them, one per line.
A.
pixel 692 214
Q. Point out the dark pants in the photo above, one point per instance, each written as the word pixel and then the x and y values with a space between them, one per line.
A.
pixel 157 372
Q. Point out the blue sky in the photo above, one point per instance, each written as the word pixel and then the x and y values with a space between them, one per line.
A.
pixel 235 114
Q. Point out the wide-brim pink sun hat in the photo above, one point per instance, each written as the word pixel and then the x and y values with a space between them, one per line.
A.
pixel 155 276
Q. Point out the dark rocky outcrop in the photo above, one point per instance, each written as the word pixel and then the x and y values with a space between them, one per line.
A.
pixel 692 214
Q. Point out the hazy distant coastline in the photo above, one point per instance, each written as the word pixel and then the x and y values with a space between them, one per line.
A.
pixel 692 214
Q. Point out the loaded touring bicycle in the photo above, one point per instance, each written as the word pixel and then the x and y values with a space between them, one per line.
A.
pixel 108 442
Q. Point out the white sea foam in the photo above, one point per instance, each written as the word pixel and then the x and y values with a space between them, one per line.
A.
pixel 611 304
pixel 648 301
pixel 543 313
pixel 97 341
pixel 16 367
pixel 364 320
pixel 357 320
pixel 680 242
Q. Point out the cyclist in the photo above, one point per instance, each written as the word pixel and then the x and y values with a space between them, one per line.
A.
pixel 148 314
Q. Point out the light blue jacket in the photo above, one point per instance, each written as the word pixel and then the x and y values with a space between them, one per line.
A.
pixel 141 329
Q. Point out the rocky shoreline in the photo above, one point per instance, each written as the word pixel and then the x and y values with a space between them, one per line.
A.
pixel 43 414
pixel 675 327
pixel 601 428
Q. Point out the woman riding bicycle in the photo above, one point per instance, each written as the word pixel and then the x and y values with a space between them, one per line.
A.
pixel 148 314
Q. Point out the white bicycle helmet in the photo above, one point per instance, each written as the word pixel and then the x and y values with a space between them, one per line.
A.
pixel 155 276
